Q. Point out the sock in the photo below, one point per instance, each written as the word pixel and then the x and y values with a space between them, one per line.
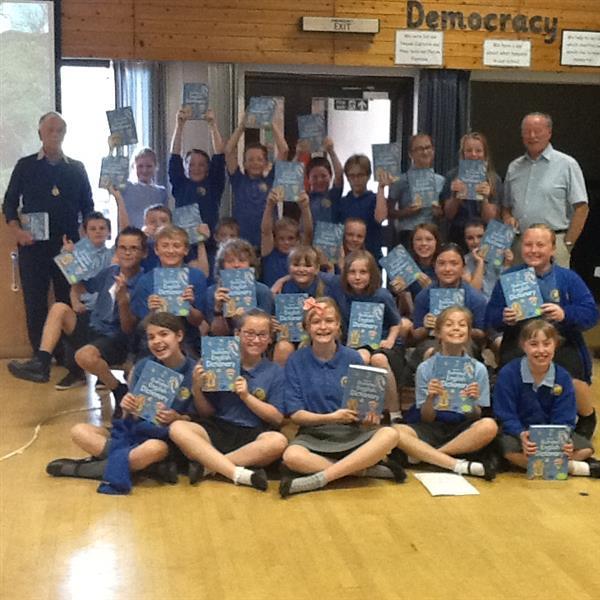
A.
pixel 413 461
pixel 242 476
pixel 45 358
pixel 579 468
pixel 378 471
pixel 395 416
pixel 308 483
pixel 465 467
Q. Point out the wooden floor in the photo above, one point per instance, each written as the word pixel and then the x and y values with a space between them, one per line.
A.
pixel 59 539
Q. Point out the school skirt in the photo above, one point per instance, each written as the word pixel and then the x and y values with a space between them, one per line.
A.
pixel 336 438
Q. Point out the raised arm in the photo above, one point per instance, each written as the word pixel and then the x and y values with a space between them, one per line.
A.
pixel 267 242
pixel 338 169
pixel 381 209
pixel 306 220
pixel 215 135
pixel 280 143
pixel 231 156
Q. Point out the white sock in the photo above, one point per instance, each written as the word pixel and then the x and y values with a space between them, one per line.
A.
pixel 579 468
pixel 242 476
pixel 308 483
pixel 395 414
pixel 465 467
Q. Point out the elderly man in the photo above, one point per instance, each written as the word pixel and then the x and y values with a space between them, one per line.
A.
pixel 545 186
pixel 46 183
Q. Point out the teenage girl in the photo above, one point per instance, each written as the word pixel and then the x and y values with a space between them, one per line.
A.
pixel 232 434
pixel 330 443
pixel 443 435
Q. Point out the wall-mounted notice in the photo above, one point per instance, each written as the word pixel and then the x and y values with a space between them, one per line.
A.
pixel 507 53
pixel 419 48
pixel 580 48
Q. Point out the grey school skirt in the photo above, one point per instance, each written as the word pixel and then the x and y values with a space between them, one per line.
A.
pixel 333 439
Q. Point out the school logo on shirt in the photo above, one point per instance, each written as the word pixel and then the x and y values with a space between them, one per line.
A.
pixel 262 186
pixel 557 389
pixel 260 394
pixel 555 295
pixel 184 393
pixel 344 381
pixel 201 190
pixel 326 203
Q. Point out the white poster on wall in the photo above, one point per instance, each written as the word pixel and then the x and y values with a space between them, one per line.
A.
pixel 416 47
pixel 580 48
pixel 507 53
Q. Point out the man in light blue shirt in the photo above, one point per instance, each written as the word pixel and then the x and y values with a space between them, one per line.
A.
pixel 545 186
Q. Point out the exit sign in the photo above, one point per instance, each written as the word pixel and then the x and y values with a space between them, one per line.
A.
pixel 339 25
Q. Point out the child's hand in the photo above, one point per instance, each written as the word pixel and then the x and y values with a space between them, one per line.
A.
pixel 155 302
pixel 221 297
pixel 204 230
pixel 328 145
pixel 509 257
pixel 198 374
pixel 568 449
pixel 413 209
pixel 275 325
pixel 429 321
pixel 459 188
pixel 344 415
pixel 553 312
pixel 188 294
pixel 371 419
pixel 78 306
pixel 387 344
pixel 68 245
pixel 303 200
pixel 182 116
pixel 528 447
pixel 435 388
pixel 484 189
pixel 275 196
pixel 165 416
pixel 424 280
pixel 385 179
pixel 509 315
pixel 240 387
pixel 130 403
pixel 472 390
pixel 114 140
pixel 477 255
pixel 209 117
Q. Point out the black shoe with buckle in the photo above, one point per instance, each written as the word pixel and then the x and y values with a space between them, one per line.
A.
pixel 30 370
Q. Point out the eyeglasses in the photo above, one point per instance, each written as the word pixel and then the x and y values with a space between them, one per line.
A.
pixel 251 335
pixel 129 249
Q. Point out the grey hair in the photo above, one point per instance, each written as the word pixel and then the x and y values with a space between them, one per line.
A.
pixel 540 115
pixel 49 114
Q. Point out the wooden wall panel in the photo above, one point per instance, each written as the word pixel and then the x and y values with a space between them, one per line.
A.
pixel 268 32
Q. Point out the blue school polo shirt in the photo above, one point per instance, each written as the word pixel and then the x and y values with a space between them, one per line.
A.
pixel 273 267
pixel 249 200
pixel 519 403
pixel 315 385
pixel 324 205
pixel 265 381
pixel 264 300
pixel 206 193
pixel 183 402
pixel 415 287
pixel 362 207
pixel 425 375
pixel 291 287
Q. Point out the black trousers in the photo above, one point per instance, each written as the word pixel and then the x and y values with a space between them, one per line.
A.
pixel 37 270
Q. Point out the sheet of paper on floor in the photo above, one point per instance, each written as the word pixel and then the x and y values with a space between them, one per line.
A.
pixel 446 484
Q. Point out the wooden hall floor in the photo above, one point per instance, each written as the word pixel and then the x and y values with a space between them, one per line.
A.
pixel 59 539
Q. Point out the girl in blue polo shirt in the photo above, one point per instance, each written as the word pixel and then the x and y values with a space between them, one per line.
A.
pixel 330 443
pixel 363 203
pixel 534 390
pixel 233 430
pixel 567 303
pixel 443 434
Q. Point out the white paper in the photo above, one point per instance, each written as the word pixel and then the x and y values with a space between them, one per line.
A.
pixel 446 484
pixel 419 48
pixel 507 53
pixel 580 48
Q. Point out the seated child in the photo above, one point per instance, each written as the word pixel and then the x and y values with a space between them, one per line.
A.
pixel 278 239
pixel 232 435
pixel 134 444
pixel 442 436
pixel 102 339
pixel 172 246
pixel 227 228
pixel 233 254
pixel 330 443
pixel 534 390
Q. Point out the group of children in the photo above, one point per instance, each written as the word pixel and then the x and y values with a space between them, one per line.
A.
pixel 545 372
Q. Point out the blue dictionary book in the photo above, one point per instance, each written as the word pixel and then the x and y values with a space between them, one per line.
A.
pixel 497 238
pixel 289 179
pixel 522 293
pixel 169 284
pixel 114 172
pixel 221 362
pixel 188 218
pixel 387 158
pixel 260 112
pixel 195 100
pixel 402 270
pixel 442 298
pixel 455 373
pixel 242 290
pixel 313 129
pixel 289 313
pixel 422 187
pixel 365 324
pixel 84 262
pixel 472 173
pixel 328 238
pixel 364 390
pixel 156 385
pixel 549 461
pixel 121 123
pixel 38 225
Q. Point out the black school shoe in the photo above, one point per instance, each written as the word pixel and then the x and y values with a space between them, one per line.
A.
pixel 594 468
pixel 585 425
pixel 29 370
pixel 70 381
pixel 83 468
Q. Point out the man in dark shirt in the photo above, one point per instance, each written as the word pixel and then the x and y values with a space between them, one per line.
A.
pixel 49 183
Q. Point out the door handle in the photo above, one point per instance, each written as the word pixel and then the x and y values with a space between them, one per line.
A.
pixel 14 263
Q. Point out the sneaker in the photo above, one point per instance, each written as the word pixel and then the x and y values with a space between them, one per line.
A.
pixel 70 381
pixel 30 370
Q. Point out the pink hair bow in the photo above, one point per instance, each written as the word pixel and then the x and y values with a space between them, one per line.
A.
pixel 312 304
